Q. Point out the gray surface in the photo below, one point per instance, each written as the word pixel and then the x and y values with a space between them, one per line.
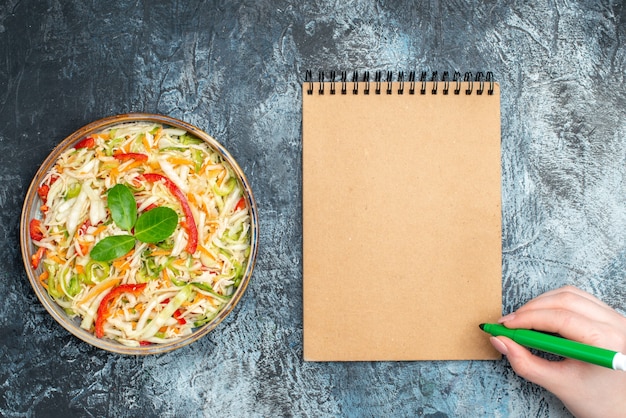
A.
pixel 234 69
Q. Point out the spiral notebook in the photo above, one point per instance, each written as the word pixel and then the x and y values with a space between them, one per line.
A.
pixel 401 216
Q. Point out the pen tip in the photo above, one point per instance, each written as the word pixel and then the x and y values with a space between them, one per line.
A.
pixel 482 326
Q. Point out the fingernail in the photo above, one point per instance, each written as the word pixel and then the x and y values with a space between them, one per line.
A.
pixel 506 318
pixel 499 345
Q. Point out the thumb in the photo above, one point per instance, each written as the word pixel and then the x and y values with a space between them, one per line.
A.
pixel 548 374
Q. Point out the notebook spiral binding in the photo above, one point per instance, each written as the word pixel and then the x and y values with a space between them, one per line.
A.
pixel 473 82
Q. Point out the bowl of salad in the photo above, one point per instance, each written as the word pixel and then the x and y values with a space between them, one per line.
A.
pixel 139 233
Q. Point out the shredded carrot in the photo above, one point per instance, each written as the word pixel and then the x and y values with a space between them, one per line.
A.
pixel 126 147
pixel 43 277
pixel 146 143
pixel 101 136
pixel 180 261
pixel 99 230
pixel 84 245
pixel 158 252
pixel 56 259
pixel 79 269
pixel 197 299
pixel 122 264
pixel 191 197
pixel 114 173
pixel 210 172
pixel 206 252
pixel 132 165
pixel 181 161
pixel 99 288
pixel 158 134
pixel 221 177
pixel 119 264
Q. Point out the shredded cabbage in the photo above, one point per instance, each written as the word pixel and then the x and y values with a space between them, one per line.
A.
pixel 183 291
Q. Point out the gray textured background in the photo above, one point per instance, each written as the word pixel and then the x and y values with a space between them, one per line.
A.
pixel 234 69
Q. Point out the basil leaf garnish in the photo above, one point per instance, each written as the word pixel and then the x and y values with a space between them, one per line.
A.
pixel 123 207
pixel 112 247
pixel 153 226
pixel 156 225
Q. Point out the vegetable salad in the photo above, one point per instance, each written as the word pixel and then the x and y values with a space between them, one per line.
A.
pixel 144 233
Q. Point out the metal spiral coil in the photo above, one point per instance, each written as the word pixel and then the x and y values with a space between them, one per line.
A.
pixel 474 84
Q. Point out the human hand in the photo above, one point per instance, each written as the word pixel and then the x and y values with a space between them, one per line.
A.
pixel 585 389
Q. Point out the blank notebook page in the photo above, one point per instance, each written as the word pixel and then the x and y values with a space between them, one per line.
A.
pixel 401 223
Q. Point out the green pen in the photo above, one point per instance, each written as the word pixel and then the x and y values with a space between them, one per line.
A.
pixel 559 346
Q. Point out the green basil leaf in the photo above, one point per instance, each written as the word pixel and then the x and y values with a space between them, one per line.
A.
pixel 112 247
pixel 156 225
pixel 123 206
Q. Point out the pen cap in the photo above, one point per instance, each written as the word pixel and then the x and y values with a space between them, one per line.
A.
pixel 619 362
